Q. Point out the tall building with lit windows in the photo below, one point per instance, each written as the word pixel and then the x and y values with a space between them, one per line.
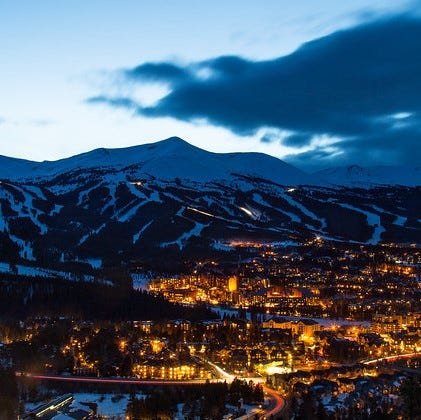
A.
pixel 233 284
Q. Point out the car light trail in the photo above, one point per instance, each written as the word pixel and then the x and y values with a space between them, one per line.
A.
pixel 200 211
pixel 391 358
pixel 279 402
pixel 247 211
pixel 112 380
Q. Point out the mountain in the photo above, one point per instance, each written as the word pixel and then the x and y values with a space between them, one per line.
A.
pixel 367 177
pixel 168 159
pixel 167 200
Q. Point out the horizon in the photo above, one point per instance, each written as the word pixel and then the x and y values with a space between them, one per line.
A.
pixel 297 166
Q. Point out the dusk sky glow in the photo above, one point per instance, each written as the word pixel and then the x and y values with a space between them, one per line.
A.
pixel 318 84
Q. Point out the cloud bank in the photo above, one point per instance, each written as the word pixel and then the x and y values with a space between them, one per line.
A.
pixel 353 96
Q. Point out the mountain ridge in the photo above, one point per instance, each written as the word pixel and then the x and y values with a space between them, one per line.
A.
pixel 168 159
pixel 176 158
pixel 360 176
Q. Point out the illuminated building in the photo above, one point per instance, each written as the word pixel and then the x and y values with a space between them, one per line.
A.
pixel 233 284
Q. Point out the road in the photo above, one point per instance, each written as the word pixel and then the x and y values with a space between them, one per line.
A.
pixel 276 405
pixel 131 381
pixel 277 402
pixel 391 358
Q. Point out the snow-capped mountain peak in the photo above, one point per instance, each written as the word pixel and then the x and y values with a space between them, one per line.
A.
pixel 167 159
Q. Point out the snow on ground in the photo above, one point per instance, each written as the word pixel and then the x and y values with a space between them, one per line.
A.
pixel 329 323
pixel 84 195
pixel 125 208
pixel 62 416
pixel 25 251
pixel 257 198
pixel 55 210
pixel 93 262
pixel 372 220
pixel 29 271
pixel 221 246
pixel 400 220
pixel 172 197
pixel 36 191
pixel 24 270
pixel 4 267
pixel 112 182
pixel 109 405
pixel 106 405
pixel 155 197
pixel 224 311
pixel 179 414
pixel 283 244
pixel 252 410
pixel 303 209
pixel 292 216
pixel 60 189
pixel 378 209
pixel 141 280
pixel 29 406
pixel 92 232
pixel 181 241
pixel 3 224
pixel 138 234
pixel 26 209
pixel 326 322
pixel 225 208
pixel 32 271
pixel 135 191
pixel 125 217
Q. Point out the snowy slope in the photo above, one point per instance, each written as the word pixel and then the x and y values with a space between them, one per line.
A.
pixel 171 197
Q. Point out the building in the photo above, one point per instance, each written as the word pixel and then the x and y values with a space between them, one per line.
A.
pixel 278 322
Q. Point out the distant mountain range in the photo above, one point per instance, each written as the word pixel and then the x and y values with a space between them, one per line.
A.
pixel 170 197
pixel 175 158
pixel 368 177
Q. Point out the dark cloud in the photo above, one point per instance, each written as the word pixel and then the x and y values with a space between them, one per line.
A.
pixel 347 85
pixel 298 140
pixel 161 72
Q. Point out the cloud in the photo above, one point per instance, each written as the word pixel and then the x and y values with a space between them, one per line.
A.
pixel 161 72
pixel 33 122
pixel 298 140
pixel 361 85
pixel 120 102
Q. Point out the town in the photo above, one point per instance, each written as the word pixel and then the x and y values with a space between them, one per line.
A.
pixel 331 328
